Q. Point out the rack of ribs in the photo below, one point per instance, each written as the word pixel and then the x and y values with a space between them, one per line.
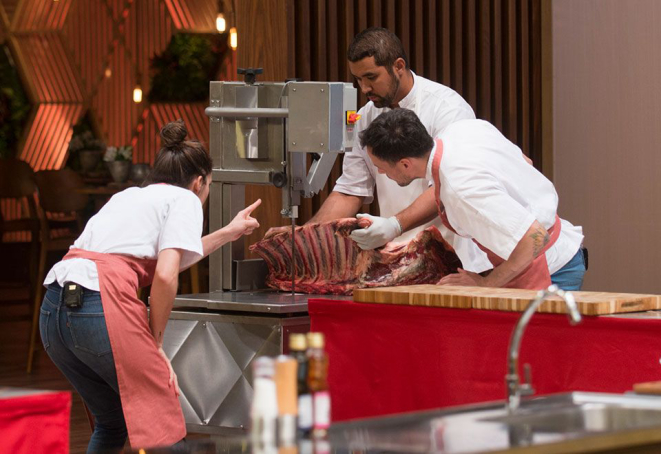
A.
pixel 328 261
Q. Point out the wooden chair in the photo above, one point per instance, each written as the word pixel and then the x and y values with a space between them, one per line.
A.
pixel 17 199
pixel 61 202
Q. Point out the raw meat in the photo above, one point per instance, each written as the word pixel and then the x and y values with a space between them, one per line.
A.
pixel 329 262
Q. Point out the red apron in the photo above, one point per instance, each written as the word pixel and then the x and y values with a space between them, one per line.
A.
pixel 536 276
pixel 151 409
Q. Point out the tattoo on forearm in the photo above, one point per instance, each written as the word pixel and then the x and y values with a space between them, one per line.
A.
pixel 540 238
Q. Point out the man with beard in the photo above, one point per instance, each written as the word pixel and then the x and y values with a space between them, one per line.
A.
pixel 378 62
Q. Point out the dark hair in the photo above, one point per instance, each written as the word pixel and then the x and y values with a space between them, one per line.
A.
pixel 179 161
pixel 395 135
pixel 380 43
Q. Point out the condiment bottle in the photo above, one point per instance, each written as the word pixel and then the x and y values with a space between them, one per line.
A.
pixel 264 409
pixel 318 384
pixel 298 349
pixel 285 384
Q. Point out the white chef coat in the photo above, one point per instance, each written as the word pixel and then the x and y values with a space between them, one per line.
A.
pixel 437 106
pixel 140 222
pixel 492 194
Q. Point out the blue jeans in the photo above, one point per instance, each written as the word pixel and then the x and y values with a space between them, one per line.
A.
pixel 570 276
pixel 77 342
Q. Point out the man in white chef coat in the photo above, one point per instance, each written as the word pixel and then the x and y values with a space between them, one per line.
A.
pixel 485 190
pixel 378 62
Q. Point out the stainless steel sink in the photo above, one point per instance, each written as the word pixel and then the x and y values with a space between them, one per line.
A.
pixel 584 412
pixel 571 422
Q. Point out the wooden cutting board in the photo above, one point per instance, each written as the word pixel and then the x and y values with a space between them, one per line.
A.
pixel 651 387
pixel 502 299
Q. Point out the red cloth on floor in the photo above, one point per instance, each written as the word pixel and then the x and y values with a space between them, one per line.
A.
pixel 35 423
pixel 388 359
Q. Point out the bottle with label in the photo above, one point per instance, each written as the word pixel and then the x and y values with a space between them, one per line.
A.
pixel 264 408
pixel 298 346
pixel 285 384
pixel 318 384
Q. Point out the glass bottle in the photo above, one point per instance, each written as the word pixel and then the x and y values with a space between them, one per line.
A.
pixel 318 384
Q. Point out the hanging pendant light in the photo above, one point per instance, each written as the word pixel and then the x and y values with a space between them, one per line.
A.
pixel 233 38
pixel 221 23
pixel 137 94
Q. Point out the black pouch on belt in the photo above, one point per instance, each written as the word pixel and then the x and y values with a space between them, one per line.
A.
pixel 72 295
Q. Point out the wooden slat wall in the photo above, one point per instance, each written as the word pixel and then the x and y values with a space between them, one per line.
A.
pixel 49 135
pixel 40 15
pixel 148 32
pixel 114 98
pixel 48 68
pixel 63 49
pixel 196 15
pixel 487 50
pixel 90 55
pixel 8 8
pixel 148 142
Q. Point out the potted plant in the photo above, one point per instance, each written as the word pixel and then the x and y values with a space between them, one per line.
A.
pixel 118 160
pixel 88 149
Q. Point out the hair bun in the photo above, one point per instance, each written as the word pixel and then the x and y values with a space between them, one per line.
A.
pixel 173 133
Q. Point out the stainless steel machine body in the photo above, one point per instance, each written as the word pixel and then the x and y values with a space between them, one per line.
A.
pixel 261 133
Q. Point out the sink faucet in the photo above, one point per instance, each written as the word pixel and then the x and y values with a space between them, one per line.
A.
pixel 514 388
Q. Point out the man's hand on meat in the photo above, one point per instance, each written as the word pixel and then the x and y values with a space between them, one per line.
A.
pixel 379 232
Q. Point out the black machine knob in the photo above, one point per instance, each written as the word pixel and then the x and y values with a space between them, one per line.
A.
pixel 279 179
pixel 249 74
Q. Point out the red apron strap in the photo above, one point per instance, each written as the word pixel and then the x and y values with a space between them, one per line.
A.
pixel 435 171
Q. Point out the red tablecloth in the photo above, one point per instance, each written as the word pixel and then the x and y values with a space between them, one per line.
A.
pixel 34 423
pixel 389 359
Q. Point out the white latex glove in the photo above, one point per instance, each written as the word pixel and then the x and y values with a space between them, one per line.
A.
pixel 173 377
pixel 380 232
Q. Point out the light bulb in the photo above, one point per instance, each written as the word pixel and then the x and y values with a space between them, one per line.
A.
pixel 233 38
pixel 137 94
pixel 221 24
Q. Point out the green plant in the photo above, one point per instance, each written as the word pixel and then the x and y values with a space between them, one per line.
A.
pixel 183 71
pixel 14 105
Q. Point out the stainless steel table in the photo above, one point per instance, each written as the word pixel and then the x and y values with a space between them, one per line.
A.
pixel 212 339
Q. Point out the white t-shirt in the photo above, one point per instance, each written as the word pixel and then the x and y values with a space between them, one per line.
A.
pixel 492 194
pixel 140 222
pixel 437 106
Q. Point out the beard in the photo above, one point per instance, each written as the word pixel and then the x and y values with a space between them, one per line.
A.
pixel 389 98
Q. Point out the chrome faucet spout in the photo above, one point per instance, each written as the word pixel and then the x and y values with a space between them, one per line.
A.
pixel 514 388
